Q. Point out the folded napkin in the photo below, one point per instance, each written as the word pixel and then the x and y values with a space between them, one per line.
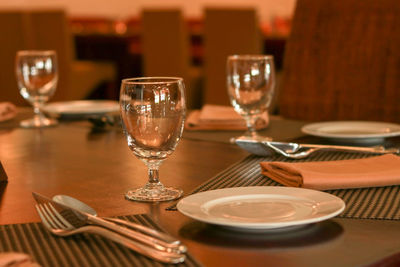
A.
pixel 355 173
pixel 7 111
pixel 215 117
pixel 14 259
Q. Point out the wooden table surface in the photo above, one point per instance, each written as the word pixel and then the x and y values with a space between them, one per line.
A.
pixel 98 168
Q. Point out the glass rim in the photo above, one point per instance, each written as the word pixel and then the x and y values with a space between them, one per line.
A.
pixel 36 52
pixel 147 80
pixel 250 56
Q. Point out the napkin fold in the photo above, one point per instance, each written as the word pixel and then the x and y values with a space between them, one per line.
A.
pixel 355 173
pixel 7 111
pixel 14 259
pixel 216 117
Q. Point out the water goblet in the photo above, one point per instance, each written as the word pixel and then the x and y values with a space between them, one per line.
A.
pixel 37 77
pixel 153 111
pixel 251 84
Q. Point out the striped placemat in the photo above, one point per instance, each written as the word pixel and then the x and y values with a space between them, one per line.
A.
pixel 362 203
pixel 77 250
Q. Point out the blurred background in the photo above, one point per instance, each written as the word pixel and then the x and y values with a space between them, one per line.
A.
pixel 123 9
pixel 105 41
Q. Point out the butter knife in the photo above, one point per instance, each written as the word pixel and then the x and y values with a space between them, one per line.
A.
pixel 267 148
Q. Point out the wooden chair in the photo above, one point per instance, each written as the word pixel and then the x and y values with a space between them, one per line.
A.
pixel 49 29
pixel 227 31
pixel 12 24
pixel 342 61
pixel 46 29
pixel 165 47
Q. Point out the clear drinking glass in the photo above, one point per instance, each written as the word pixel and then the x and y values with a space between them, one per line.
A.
pixel 251 84
pixel 37 77
pixel 153 112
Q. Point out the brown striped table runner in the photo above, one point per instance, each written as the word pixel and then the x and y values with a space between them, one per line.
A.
pixel 77 250
pixel 363 203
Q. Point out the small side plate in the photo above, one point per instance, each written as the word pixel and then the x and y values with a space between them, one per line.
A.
pixel 81 108
pixel 255 147
pixel 353 131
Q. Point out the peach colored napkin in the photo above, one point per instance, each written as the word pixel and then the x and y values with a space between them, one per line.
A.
pixel 15 259
pixel 355 173
pixel 215 117
pixel 7 111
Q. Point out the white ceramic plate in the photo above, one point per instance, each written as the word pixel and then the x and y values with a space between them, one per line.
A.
pixel 82 108
pixel 356 131
pixel 261 207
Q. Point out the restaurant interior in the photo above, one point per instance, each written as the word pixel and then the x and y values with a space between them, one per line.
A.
pixel 199 133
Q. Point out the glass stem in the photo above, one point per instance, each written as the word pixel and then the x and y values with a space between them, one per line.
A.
pixel 37 111
pixel 153 175
pixel 250 123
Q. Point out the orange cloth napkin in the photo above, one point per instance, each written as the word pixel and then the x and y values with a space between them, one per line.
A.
pixel 15 259
pixel 7 111
pixel 356 173
pixel 215 117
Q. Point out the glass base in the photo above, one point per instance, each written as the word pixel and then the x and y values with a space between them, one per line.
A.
pixel 153 193
pixel 38 122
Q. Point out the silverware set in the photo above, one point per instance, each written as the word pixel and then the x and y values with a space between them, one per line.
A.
pixel 63 220
pixel 266 147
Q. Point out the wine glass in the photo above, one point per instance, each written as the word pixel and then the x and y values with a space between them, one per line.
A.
pixel 37 77
pixel 251 84
pixel 153 111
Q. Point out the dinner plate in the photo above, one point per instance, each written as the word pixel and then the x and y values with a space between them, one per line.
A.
pixel 261 207
pixel 82 108
pixel 353 131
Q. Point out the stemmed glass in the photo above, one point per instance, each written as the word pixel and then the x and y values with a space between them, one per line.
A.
pixel 37 77
pixel 251 84
pixel 153 111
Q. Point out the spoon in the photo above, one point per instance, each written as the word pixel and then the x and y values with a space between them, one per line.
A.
pixel 79 205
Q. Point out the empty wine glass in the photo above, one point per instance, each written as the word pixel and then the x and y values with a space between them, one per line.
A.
pixel 37 77
pixel 153 112
pixel 251 84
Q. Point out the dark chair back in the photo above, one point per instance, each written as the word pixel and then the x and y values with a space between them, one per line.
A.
pixel 342 61
pixel 227 31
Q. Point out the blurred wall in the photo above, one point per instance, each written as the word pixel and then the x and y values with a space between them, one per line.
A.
pixel 121 9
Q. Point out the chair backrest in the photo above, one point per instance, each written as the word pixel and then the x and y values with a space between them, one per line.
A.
pixel 342 61
pixel 49 29
pixel 165 43
pixel 227 31
pixel 12 39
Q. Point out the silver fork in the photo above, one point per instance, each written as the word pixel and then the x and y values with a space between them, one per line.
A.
pixel 58 225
